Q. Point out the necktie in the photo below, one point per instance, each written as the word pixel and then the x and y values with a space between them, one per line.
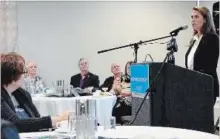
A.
pixel 81 83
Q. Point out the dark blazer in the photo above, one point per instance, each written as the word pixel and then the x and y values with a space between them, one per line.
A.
pixel 206 58
pixel 108 83
pixel 34 123
pixel 91 80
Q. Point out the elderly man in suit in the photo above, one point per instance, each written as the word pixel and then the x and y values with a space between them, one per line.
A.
pixel 85 78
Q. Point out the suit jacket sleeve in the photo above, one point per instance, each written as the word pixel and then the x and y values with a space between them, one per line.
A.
pixel 105 84
pixel 71 81
pixel 210 53
pixel 24 125
pixel 96 81
pixel 74 80
pixel 108 83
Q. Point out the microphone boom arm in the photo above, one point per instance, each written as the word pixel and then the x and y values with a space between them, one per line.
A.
pixel 135 45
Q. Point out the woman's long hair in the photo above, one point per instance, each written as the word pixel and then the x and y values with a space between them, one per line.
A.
pixel 127 77
pixel 208 26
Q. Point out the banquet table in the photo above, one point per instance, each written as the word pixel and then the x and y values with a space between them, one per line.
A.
pixel 56 105
pixel 217 110
pixel 136 132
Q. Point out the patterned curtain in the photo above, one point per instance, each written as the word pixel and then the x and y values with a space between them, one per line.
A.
pixel 8 26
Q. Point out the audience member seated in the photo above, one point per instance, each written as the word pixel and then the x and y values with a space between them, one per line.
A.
pixel 122 90
pixel 8 130
pixel 16 103
pixel 112 80
pixel 32 82
pixel 85 78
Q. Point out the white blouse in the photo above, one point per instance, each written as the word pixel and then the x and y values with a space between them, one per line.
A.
pixel 190 59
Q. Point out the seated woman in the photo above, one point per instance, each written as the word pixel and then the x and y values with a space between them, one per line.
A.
pixel 32 82
pixel 122 90
pixel 16 104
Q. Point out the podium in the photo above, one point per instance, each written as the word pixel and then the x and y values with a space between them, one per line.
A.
pixel 180 98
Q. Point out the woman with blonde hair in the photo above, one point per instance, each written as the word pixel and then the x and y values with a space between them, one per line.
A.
pixel 33 83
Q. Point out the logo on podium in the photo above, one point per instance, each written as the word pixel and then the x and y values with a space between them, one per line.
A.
pixel 139 78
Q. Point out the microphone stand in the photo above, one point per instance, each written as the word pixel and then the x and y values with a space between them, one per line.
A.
pixel 150 91
pixel 172 47
pixel 135 45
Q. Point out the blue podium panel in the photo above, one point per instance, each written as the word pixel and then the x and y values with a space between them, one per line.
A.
pixel 139 78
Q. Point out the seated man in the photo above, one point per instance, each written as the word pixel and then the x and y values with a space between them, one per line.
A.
pixel 85 78
pixel 32 82
pixel 116 78
pixel 122 90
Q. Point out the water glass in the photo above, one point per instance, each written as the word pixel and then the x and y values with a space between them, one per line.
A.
pixel 59 84
pixel 104 89
pixel 85 127
pixel 68 90
pixel 109 123
pixel 72 122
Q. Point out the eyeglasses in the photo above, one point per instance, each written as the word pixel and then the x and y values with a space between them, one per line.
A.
pixel 116 66
pixel 31 67
pixel 82 64
pixel 24 71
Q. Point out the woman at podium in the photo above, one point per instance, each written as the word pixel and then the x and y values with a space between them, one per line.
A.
pixel 203 52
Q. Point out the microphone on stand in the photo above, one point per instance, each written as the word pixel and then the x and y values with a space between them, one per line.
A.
pixel 176 31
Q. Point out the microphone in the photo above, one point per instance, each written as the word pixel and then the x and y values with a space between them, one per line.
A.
pixel 176 31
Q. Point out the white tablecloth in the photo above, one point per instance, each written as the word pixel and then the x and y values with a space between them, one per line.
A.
pixel 217 109
pixel 54 106
pixel 147 132
pixel 138 132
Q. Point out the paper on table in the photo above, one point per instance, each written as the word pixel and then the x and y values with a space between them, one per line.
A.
pixel 48 137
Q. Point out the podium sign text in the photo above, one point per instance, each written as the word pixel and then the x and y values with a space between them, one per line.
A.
pixel 139 78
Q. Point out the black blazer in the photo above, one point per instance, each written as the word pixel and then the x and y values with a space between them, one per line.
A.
pixel 206 58
pixel 91 80
pixel 108 83
pixel 34 123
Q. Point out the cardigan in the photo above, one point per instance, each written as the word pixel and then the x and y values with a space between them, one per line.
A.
pixel 35 123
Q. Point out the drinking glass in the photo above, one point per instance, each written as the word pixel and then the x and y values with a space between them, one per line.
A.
pixel 109 123
pixel 85 127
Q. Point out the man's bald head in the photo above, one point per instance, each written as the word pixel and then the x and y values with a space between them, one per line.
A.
pixel 115 68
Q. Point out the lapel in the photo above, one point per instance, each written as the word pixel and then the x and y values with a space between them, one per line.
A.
pixel 201 43
pixel 188 51
pixel 6 97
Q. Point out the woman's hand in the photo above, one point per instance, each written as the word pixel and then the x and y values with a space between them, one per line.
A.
pixel 125 93
pixel 116 87
pixel 62 117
